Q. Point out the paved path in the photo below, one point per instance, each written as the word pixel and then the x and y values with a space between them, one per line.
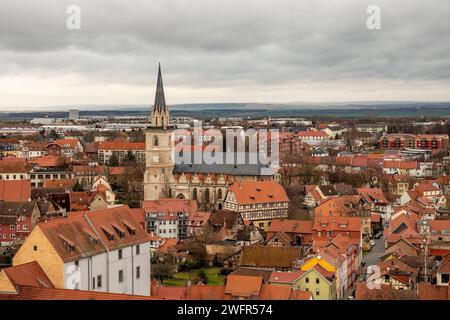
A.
pixel 373 256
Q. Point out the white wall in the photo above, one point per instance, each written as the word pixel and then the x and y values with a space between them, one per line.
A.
pixel 108 265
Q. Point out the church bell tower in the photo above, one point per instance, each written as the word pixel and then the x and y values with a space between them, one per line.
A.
pixel 159 141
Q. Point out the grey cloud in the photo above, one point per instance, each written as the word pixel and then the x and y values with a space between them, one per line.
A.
pixel 228 43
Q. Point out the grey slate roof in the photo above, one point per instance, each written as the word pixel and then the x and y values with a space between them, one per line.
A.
pixel 160 100
pixel 228 169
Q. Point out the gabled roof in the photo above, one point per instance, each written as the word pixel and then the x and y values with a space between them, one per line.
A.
pixel 22 208
pixel 285 277
pixel 121 146
pixel 206 292
pixel 78 229
pixel 48 161
pixel 385 292
pixel 36 293
pixel 427 291
pixel 67 143
pixel 327 223
pixel 169 205
pixel 251 192
pixel 28 274
pixel 291 226
pixel 243 286
pixel 13 165
pixel 15 190
pixel 274 257
pixel 276 292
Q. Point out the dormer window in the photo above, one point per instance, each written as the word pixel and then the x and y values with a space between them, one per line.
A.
pixel 108 233
pixel 119 230
pixel 92 237
pixel 130 228
pixel 69 245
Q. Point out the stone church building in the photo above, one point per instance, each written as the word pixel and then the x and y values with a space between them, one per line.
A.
pixel 205 183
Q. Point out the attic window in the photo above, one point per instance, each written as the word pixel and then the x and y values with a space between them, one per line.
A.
pixel 252 197
pixel 131 229
pixel 69 245
pixel 92 237
pixel 119 230
pixel 270 195
pixel 108 233
pixel 258 189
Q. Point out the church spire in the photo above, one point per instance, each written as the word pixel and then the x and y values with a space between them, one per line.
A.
pixel 160 112
pixel 160 100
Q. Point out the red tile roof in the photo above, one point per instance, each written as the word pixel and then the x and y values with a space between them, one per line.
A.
pixel 206 292
pixel 243 286
pixel 48 161
pixel 13 165
pixel 170 205
pixel 258 192
pixel 312 133
pixel 428 291
pixel 35 293
pixel 285 277
pixel 78 229
pixel 28 274
pixel 375 217
pixel 59 183
pixel 326 223
pixel 15 190
pixel 121 145
pixel 67 143
pixel 291 226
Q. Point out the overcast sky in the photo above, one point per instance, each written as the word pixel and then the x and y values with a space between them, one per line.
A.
pixel 222 51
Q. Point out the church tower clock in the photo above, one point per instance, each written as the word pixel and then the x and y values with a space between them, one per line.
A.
pixel 159 142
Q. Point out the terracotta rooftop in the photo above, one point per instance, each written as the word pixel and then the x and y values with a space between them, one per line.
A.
pixel 121 145
pixel 35 293
pixel 251 192
pixel 67 143
pixel 13 165
pixel 114 228
pixel 262 256
pixel 48 161
pixel 15 190
pixel 243 286
pixel 28 274
pixel 291 226
pixel 169 205
pixel 427 291
pixel 385 292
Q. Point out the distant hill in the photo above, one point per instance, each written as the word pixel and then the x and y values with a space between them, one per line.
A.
pixel 253 110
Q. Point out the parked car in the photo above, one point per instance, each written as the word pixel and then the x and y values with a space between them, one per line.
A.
pixel 372 242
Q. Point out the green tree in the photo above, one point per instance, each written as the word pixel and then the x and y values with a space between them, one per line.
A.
pixel 78 187
pixel 130 158
pixel 162 271
pixel 114 160
pixel 53 135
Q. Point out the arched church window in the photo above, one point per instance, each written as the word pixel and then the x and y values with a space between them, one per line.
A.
pixel 194 194
pixel 219 194
pixel 155 141
pixel 206 195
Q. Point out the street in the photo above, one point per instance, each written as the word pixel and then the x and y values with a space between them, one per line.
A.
pixel 373 256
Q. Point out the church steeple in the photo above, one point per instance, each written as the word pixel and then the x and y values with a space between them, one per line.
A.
pixel 160 112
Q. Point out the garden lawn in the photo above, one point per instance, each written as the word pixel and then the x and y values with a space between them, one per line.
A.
pixel 180 279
